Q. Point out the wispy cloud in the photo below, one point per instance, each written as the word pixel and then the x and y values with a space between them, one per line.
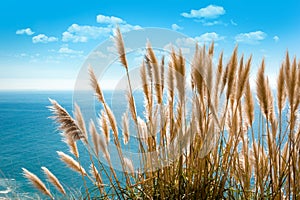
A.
pixel 26 31
pixel 77 33
pixel 212 23
pixel 251 37
pixel 202 39
pixel 109 19
pixel 233 22
pixel 209 37
pixel 175 27
pixel 211 11
pixel 276 38
pixel 66 50
pixel 42 38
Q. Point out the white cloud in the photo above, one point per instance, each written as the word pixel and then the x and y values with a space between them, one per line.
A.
pixel 209 37
pixel 66 50
pixel 175 27
pixel 97 54
pixel 109 20
pixel 83 33
pixel 78 33
pixel 233 22
pixel 276 38
pixel 187 45
pixel 42 38
pixel 127 27
pixel 251 37
pixel 26 31
pixel 187 42
pixel 211 11
pixel 212 23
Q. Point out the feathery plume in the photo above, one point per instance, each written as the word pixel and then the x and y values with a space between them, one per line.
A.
pixel 156 72
pixel 80 120
pixel 121 48
pixel 131 105
pixel 243 78
pixel 104 126
pixel 211 49
pixel 281 93
pixel 53 179
pixel 218 76
pixel 95 136
pixel 231 76
pixel 112 121
pixel 249 103
pixel 71 163
pixel 72 145
pixel 125 127
pixel 94 172
pixel 96 86
pixel 129 165
pixel 67 123
pixel 36 182
pixel 145 82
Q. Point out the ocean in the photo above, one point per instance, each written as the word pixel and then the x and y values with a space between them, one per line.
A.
pixel 30 139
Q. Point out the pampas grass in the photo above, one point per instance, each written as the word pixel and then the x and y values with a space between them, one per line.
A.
pixel 71 163
pixel 52 178
pixel 219 149
pixel 36 182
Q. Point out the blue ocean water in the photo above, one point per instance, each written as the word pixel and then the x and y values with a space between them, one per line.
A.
pixel 30 139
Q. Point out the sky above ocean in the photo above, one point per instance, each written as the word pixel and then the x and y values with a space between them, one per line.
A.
pixel 44 44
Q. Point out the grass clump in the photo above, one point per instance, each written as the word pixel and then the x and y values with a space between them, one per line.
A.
pixel 214 152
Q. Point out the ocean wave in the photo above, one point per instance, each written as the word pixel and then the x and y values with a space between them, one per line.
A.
pixel 6 185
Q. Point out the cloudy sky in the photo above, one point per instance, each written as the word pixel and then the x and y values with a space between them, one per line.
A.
pixel 44 44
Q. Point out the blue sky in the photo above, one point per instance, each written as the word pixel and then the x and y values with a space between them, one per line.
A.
pixel 44 44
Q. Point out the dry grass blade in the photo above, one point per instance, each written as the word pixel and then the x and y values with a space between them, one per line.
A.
pixel 71 163
pixel 52 178
pixel 96 86
pixel 121 47
pixel 67 123
pixel 36 182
